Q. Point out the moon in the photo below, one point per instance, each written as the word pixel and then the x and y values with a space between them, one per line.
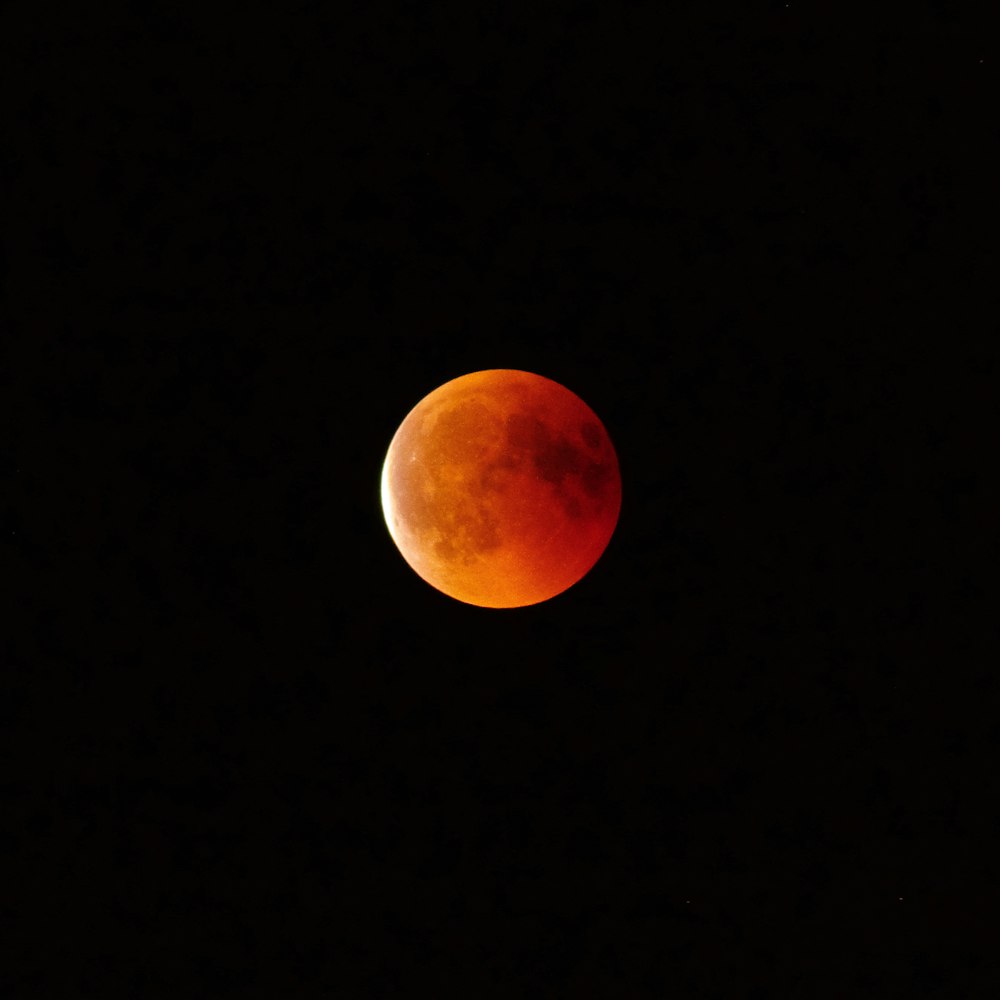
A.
pixel 501 488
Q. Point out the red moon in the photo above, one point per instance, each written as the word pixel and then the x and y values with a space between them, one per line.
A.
pixel 501 488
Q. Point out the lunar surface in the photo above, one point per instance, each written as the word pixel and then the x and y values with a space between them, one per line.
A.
pixel 501 488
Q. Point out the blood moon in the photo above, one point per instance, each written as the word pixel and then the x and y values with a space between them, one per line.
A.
pixel 501 488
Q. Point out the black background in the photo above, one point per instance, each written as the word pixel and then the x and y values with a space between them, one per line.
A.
pixel 250 750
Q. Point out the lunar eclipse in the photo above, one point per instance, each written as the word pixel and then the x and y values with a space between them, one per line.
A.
pixel 501 488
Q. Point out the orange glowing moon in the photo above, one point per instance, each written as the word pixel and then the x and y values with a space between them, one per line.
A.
pixel 501 488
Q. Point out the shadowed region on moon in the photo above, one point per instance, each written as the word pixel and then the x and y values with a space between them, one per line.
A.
pixel 501 488
pixel 557 459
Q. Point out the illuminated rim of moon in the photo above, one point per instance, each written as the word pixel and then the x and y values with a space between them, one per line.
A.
pixel 501 488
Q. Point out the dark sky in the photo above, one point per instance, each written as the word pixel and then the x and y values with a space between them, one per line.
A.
pixel 251 751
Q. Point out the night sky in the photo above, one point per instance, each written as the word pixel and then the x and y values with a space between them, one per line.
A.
pixel 248 750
